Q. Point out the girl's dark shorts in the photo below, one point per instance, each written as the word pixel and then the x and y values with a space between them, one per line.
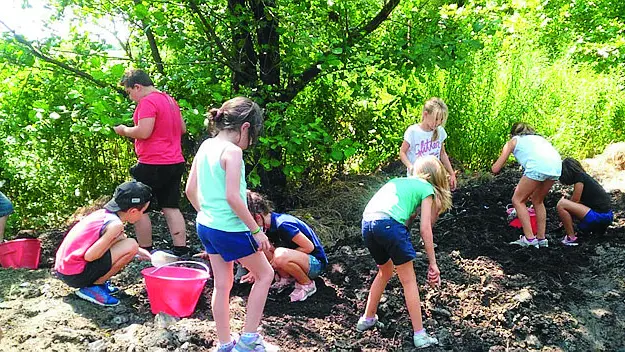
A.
pixel 93 271
pixel 388 239
pixel 164 181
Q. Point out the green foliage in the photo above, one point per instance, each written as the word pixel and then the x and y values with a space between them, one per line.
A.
pixel 557 65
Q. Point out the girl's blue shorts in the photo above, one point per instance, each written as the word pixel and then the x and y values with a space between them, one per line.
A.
pixel 6 207
pixel 596 222
pixel 540 177
pixel 388 239
pixel 230 245
pixel 315 267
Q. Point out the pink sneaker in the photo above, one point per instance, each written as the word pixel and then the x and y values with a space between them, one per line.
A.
pixel 302 292
pixel 282 284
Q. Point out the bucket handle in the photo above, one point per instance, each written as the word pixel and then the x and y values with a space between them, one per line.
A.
pixel 183 262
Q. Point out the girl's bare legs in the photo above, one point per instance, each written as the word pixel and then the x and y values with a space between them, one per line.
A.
pixel 411 294
pixel 567 209
pixel 3 222
pixel 292 262
pixel 220 301
pixel 522 192
pixel 538 199
pixel 262 271
pixel 385 272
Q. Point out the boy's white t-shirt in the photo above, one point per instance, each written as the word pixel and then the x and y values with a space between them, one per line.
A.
pixel 421 143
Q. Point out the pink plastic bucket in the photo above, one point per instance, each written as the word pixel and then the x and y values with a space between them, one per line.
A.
pixel 21 253
pixel 175 290
pixel 517 223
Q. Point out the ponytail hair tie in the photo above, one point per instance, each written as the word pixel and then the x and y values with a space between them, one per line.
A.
pixel 219 115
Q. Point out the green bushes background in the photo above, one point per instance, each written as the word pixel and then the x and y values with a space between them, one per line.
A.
pixel 557 65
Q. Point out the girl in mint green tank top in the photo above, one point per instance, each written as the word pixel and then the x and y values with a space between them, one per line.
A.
pixel 216 188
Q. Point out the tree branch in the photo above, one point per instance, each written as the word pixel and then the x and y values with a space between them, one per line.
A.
pixel 208 29
pixel 353 37
pixel 153 46
pixel 20 39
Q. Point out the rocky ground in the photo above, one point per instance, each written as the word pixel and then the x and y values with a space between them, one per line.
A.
pixel 493 297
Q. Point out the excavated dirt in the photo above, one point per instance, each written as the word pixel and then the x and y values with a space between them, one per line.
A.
pixel 493 297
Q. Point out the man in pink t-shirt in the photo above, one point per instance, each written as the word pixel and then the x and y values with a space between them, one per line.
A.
pixel 157 131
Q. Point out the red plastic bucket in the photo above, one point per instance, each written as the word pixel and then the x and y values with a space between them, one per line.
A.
pixel 21 253
pixel 517 223
pixel 175 290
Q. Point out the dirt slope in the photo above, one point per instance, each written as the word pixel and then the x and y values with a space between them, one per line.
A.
pixel 494 297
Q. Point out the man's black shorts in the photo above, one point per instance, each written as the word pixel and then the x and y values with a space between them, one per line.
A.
pixel 165 183
pixel 93 271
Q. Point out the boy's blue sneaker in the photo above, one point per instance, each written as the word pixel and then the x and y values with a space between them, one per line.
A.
pixel 109 287
pixel 98 295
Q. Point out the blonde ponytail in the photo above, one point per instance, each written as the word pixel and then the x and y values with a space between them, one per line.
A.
pixel 431 169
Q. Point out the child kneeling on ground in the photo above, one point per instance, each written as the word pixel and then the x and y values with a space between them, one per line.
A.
pixel 97 248
pixel 589 203
pixel 385 223
pixel 300 259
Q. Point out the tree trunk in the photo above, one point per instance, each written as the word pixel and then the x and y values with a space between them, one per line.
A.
pixel 244 54
pixel 268 41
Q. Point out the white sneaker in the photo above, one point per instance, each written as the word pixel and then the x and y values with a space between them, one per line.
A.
pixel 524 242
pixel 543 243
pixel 424 340
pixel 366 323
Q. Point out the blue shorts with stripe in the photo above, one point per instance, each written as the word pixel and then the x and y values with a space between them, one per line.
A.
pixel 230 245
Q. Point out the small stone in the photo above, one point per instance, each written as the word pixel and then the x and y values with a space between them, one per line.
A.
pixel 600 312
pixel 441 311
pixel 533 341
pixel 120 319
pixel 163 320
pixel 612 295
pixel 347 250
pixel 523 296
pixel 97 346
pixel 183 335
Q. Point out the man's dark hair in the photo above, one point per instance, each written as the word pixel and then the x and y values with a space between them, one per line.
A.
pixel 133 77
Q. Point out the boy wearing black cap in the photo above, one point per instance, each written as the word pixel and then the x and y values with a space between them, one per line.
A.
pixel 97 248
